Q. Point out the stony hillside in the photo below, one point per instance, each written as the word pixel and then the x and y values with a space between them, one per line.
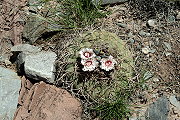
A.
pixel 78 60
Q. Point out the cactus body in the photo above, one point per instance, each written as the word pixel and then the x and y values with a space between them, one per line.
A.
pixel 100 85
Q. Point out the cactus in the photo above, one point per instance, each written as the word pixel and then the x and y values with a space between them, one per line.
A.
pixel 99 85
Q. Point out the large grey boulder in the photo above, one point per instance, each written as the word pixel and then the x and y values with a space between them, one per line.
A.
pixel 10 85
pixel 21 51
pixel 104 2
pixel 41 66
pixel 158 110
pixel 37 64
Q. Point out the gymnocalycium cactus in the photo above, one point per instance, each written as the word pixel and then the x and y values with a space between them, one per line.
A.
pixel 99 84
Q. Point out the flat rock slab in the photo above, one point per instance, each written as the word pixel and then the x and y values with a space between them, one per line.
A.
pixel 158 110
pixel 37 25
pixel 47 102
pixel 10 85
pixel 27 48
pixel 34 27
pixel 40 66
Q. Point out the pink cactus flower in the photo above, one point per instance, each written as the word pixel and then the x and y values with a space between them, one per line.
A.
pixel 89 64
pixel 86 53
pixel 107 64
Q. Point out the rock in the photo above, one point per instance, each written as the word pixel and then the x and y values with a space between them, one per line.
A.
pixel 123 8
pixel 10 85
pixel 4 57
pixel 5 44
pixel 33 28
pixel 168 53
pixel 1 58
pixel 174 101
pixel 122 25
pixel 104 2
pixel 7 62
pixel 146 50
pixel 37 25
pixel 134 118
pixel 167 46
pixel 178 97
pixel 151 23
pixel 158 110
pixel 131 40
pixel 130 34
pixel 178 16
pixel 20 52
pixel 40 66
pixel 47 102
pixel 25 88
pixel 155 79
pixel 37 64
pixel 144 34
pixel 33 5
pixel 152 50
pixel 26 48
pixel 175 110
pixel 171 19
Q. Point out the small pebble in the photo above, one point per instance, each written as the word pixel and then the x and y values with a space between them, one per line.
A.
pixel 168 53
pixel 151 23
pixel 142 33
pixel 133 118
pixel 130 34
pixel 171 18
pixel 123 8
pixel 174 101
pixel 7 62
pixel 123 25
pixel 145 50
pixel 6 28
pixel 154 95
pixel 131 40
pixel 155 79
pixel 178 16
pixel 175 110
pixel 153 50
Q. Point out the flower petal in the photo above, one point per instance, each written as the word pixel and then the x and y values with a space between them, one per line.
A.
pixel 89 64
pixel 107 63
pixel 86 53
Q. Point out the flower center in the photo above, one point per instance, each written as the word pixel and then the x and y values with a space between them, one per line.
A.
pixel 108 63
pixel 88 63
pixel 87 54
